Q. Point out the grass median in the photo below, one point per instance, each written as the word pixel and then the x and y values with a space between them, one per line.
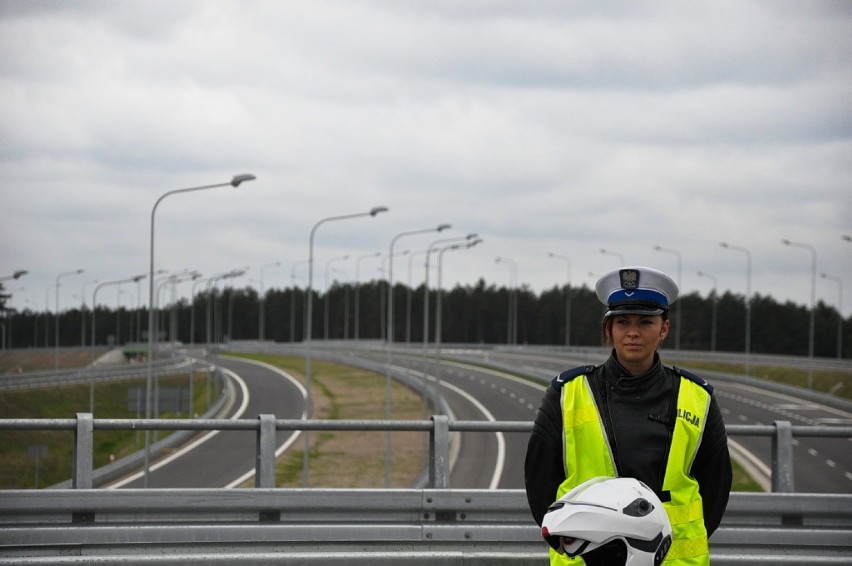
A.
pixel 351 458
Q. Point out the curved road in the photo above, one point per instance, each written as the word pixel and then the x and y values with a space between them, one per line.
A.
pixel 227 458
pixel 495 460
pixel 821 465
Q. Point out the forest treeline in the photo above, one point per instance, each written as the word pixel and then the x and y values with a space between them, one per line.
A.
pixel 480 313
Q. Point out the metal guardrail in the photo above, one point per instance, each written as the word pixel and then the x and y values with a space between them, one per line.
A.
pixel 365 527
pixel 49 378
pixel 432 526
pixel 439 429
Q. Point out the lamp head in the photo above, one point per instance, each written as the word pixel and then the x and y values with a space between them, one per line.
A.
pixel 237 179
pixel 377 209
pixel 19 273
pixel 442 227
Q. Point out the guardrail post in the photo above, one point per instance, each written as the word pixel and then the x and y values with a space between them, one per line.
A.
pixel 81 475
pixel 782 458
pixel 264 471
pixel 439 452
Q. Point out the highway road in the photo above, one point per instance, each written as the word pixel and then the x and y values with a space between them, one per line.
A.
pixel 476 392
pixel 821 465
pixel 227 458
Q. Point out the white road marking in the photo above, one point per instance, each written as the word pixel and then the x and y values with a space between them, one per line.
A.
pixel 196 443
pixel 501 439
pixel 293 437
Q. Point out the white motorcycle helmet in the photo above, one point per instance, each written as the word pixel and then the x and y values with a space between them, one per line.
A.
pixel 612 521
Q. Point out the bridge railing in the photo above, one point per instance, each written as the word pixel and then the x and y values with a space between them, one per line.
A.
pixel 431 526
pixel 363 527
pixel 439 428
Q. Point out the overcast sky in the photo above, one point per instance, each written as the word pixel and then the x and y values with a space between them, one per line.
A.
pixel 544 127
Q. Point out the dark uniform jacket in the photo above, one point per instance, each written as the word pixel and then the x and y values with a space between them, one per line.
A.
pixel 639 415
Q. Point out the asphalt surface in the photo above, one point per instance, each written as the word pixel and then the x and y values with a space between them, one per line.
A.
pixel 495 460
pixel 227 457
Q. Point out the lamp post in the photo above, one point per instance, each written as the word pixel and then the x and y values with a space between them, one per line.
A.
pixel 839 282
pixel 212 336
pixel 620 257
pixel 390 337
pixel 679 286
pixel 567 295
pixel 83 312
pixel 409 294
pixel 261 324
pixel 309 317
pixel 812 325
pixel 440 228
pixel 715 309
pixel 345 276
pixel 235 181
pixel 56 321
pixel 358 288
pixel 512 331
pixel 94 327
pixel 293 299
pixel 16 275
pixel 192 309
pixel 327 298
pixel 747 302
pixel 432 247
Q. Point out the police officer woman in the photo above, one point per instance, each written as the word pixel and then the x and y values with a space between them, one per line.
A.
pixel 634 417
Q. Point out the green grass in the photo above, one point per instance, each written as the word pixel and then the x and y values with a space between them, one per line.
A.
pixel 347 458
pixel 18 468
pixel 834 382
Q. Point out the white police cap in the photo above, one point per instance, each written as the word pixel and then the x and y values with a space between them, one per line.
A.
pixel 636 290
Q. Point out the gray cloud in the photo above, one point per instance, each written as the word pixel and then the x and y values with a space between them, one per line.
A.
pixel 545 127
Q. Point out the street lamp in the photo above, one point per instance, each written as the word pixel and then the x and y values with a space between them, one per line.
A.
pixel 512 331
pixel 390 336
pixel 432 247
pixel 83 312
pixel 94 343
pixel 839 282
pixel 16 275
pixel 235 181
pixel 715 309
pixel 616 254
pixel 262 300
pixel 679 286
pixel 812 325
pixel 310 312
pixel 358 289
pixel 56 321
pixel 440 228
pixel 567 261
pixel 293 299
pixel 327 298
pixel 213 319
pixel 747 253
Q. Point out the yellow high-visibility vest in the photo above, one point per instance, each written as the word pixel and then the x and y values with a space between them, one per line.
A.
pixel 588 454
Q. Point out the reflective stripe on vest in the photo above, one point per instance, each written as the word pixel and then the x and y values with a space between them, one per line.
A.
pixel 685 510
pixel 587 454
